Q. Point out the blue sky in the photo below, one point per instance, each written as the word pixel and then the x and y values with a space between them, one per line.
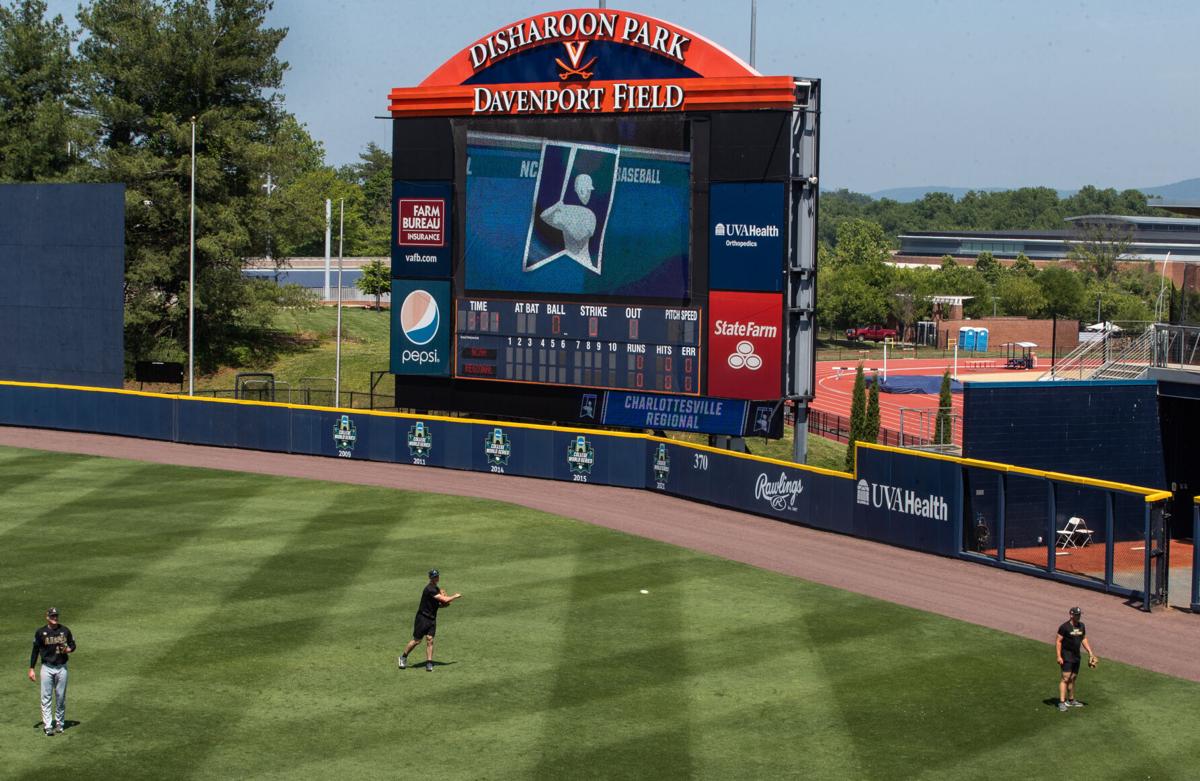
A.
pixel 921 92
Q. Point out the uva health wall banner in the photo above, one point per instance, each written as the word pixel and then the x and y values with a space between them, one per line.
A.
pixel 908 500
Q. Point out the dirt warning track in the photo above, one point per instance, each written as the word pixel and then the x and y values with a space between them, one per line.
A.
pixel 1164 641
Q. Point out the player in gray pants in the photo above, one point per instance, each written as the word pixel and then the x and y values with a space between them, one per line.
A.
pixel 53 642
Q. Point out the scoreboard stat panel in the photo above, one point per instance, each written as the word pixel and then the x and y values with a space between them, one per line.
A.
pixel 651 348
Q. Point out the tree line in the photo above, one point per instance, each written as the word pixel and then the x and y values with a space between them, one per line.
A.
pixel 857 284
pixel 113 98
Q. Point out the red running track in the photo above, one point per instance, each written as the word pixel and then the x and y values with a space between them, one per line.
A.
pixel 835 386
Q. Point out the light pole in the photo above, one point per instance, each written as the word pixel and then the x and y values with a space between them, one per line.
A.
pixel 192 275
pixel 753 28
pixel 337 370
pixel 328 226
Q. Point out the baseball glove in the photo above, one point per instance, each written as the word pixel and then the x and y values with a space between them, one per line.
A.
pixel 1093 661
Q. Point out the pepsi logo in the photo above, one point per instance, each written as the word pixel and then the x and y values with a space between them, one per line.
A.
pixel 419 317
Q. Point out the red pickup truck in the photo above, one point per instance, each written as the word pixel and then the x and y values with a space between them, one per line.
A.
pixel 874 333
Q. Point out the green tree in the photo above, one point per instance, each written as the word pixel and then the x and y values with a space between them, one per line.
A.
pixel 300 209
pixel 943 432
pixel 871 424
pixel 1063 291
pixel 149 67
pixel 376 280
pixel 956 280
pixel 858 416
pixel 1098 246
pixel 1023 265
pixel 988 267
pixel 848 298
pixel 1020 296
pixel 862 243
pixel 373 173
pixel 42 136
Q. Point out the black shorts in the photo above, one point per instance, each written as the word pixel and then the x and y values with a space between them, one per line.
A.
pixel 1070 665
pixel 423 626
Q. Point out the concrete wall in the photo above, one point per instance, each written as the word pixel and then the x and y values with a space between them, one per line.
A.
pixel 1016 329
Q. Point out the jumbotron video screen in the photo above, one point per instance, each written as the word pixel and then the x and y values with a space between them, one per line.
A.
pixel 583 218
pixel 594 225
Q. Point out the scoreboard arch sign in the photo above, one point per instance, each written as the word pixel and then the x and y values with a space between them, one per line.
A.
pixel 559 176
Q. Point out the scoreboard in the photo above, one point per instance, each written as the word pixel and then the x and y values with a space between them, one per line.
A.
pixel 600 218
pixel 619 347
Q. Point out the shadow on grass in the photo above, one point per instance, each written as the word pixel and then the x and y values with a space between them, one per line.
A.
pixel 66 724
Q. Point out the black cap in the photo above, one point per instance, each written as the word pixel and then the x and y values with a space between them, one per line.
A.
pixel 1076 611
pixel 52 612
pixel 433 574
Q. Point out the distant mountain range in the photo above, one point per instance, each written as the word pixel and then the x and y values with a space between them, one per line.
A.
pixel 1186 190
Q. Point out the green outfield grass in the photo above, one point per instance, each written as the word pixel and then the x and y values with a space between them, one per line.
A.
pixel 239 626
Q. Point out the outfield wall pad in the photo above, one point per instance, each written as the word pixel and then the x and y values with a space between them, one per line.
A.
pixel 899 497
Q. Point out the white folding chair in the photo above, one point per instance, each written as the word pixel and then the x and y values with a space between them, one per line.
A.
pixel 1073 533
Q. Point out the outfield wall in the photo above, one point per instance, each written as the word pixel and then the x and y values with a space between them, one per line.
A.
pixel 899 497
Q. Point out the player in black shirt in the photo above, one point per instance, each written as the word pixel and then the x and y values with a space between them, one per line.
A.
pixel 53 642
pixel 433 598
pixel 1071 636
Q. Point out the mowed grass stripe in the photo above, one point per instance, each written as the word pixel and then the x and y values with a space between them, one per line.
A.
pixel 277 607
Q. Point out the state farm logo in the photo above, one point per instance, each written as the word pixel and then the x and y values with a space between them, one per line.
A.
pixel 744 357
pixel 422 222
pixel 781 493
pixel 738 328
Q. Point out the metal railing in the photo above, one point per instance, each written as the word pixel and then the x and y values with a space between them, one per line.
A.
pixel 1082 362
pixel 1176 347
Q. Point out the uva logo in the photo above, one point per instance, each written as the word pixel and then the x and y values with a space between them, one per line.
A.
pixel 575 51
pixel 420 318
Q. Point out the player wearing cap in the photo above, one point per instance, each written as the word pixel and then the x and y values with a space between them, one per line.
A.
pixel 433 598
pixel 52 642
pixel 1071 635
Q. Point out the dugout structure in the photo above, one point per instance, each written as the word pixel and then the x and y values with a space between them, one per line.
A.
pixel 604 218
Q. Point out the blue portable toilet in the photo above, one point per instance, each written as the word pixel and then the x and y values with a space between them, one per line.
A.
pixel 981 339
pixel 966 338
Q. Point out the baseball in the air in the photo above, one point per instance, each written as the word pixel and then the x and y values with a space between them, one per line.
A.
pixel 644 591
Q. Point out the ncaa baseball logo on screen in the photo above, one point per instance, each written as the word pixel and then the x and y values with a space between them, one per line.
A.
pixel 420 320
